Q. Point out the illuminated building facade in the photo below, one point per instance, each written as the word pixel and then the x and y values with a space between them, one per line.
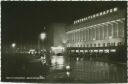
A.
pixel 100 31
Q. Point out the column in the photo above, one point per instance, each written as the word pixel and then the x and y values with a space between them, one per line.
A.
pixel 76 36
pixel 80 35
pixel 114 30
pixel 96 33
pixel 121 27
pixel 83 34
pixel 87 34
pixel 109 30
pixel 117 30
pixel 99 33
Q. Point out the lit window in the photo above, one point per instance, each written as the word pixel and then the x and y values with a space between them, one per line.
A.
pixel 82 19
pixel 113 50
pixel 106 51
pixel 95 50
pixel 74 22
pixel 89 17
pixel 78 21
pixel 91 50
pixel 104 12
pixel 107 11
pixel 94 15
pixel 100 13
pixel 100 50
pixel 86 18
pixel 77 50
pixel 72 50
pixel 97 14
pixel 110 10
pixel 115 9
pixel 81 51
pixel 86 51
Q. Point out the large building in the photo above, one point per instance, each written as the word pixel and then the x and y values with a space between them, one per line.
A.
pixel 98 32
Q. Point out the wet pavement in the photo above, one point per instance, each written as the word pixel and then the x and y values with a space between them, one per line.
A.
pixel 66 69
pixel 86 70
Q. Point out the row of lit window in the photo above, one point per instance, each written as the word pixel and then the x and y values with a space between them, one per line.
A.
pixel 96 51
pixel 98 45
pixel 96 15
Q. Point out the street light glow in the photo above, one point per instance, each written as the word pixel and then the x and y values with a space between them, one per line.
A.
pixel 42 36
pixel 13 45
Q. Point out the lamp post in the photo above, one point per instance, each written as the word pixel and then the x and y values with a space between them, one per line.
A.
pixel 42 36
pixel 13 45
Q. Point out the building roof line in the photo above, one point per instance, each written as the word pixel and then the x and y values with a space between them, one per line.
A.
pixel 101 24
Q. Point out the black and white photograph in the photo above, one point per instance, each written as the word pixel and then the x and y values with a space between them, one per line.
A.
pixel 64 41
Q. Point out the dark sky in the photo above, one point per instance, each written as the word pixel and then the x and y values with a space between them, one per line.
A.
pixel 25 20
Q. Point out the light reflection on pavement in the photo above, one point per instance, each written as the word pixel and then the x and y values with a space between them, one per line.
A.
pixel 86 70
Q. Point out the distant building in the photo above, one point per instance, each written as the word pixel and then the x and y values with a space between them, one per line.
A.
pixel 100 30
pixel 57 35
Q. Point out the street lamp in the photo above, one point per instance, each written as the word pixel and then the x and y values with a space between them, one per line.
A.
pixel 13 45
pixel 42 36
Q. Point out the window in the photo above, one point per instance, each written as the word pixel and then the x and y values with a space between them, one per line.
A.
pixel 94 15
pixel 86 18
pixel 115 9
pixel 104 12
pixel 107 11
pixel 97 14
pixel 100 13
pixel 82 19
pixel 111 10
pixel 89 17
pixel 86 51
pixel 78 21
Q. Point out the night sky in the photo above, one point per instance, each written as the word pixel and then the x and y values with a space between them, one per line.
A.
pixel 24 21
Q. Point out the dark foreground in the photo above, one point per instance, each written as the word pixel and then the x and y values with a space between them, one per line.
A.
pixel 27 68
